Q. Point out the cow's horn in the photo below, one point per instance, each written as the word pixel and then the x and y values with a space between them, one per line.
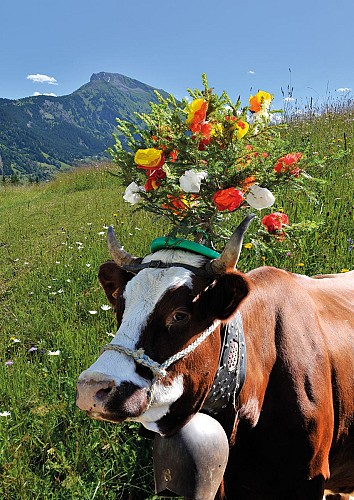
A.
pixel 118 254
pixel 230 255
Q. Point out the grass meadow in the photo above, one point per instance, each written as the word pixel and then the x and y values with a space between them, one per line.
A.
pixel 53 318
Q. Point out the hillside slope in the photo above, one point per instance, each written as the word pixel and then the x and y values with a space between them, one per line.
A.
pixel 42 134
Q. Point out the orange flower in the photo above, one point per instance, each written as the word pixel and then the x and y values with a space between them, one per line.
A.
pixel 173 155
pixel 248 182
pixel 196 113
pixel 181 203
pixel 260 101
pixel 228 199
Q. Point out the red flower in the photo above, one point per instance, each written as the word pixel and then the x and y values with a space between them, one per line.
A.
pixel 288 163
pixel 228 199
pixel 154 179
pixel 173 155
pixel 275 221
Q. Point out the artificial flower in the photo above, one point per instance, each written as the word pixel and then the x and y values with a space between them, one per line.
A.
pixel 228 199
pixel 180 203
pixel 248 182
pixel 288 163
pixel 242 128
pixel 131 194
pixel 190 181
pixel 196 114
pixel 149 158
pixel 259 197
pixel 275 221
pixel 260 102
pixel 173 155
pixel 154 179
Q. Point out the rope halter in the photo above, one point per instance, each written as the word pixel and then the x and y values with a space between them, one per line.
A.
pixel 159 370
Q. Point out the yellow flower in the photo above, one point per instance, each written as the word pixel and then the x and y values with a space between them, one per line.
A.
pixel 345 271
pixel 248 245
pixel 149 158
pixel 242 128
pixel 300 264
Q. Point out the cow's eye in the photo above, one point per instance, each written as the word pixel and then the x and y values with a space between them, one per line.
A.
pixel 178 318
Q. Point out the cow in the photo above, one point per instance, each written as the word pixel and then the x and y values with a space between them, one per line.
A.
pixel 289 419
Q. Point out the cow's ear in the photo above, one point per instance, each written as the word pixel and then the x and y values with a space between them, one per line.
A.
pixel 112 279
pixel 222 297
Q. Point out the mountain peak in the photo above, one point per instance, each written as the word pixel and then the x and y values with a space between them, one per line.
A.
pixel 118 80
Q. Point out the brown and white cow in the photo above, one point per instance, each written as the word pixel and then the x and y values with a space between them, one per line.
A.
pixel 291 428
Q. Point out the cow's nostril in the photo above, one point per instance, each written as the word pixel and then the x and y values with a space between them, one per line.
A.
pixel 102 394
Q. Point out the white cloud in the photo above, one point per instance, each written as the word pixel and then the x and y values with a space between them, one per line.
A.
pixel 251 72
pixel 343 89
pixel 289 99
pixel 42 79
pixel 35 94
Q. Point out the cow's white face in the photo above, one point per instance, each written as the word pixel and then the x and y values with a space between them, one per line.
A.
pixel 114 370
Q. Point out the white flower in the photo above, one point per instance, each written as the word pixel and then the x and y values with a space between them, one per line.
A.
pixel 93 312
pixel 131 194
pixel 5 414
pixel 54 353
pixel 105 307
pixel 101 233
pixel 259 197
pixel 190 181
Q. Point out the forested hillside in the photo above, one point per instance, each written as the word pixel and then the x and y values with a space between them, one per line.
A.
pixel 42 134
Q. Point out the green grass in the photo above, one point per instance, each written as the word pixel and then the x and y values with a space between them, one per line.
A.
pixel 51 244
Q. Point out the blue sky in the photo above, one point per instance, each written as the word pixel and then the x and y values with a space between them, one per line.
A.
pixel 240 45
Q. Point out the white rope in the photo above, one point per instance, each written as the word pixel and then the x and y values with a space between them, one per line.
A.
pixel 159 369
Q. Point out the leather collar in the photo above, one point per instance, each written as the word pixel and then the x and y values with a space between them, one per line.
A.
pixel 231 372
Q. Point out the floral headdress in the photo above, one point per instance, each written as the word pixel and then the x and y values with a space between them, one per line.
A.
pixel 204 159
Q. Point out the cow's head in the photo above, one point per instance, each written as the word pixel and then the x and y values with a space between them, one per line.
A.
pixel 161 312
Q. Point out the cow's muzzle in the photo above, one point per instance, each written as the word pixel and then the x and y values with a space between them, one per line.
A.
pixel 103 399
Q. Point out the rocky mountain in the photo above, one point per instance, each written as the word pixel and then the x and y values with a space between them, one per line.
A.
pixel 42 134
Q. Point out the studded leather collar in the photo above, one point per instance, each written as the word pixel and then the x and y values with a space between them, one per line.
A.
pixel 231 372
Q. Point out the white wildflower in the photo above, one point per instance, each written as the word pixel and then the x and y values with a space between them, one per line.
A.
pixel 54 353
pixel 105 307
